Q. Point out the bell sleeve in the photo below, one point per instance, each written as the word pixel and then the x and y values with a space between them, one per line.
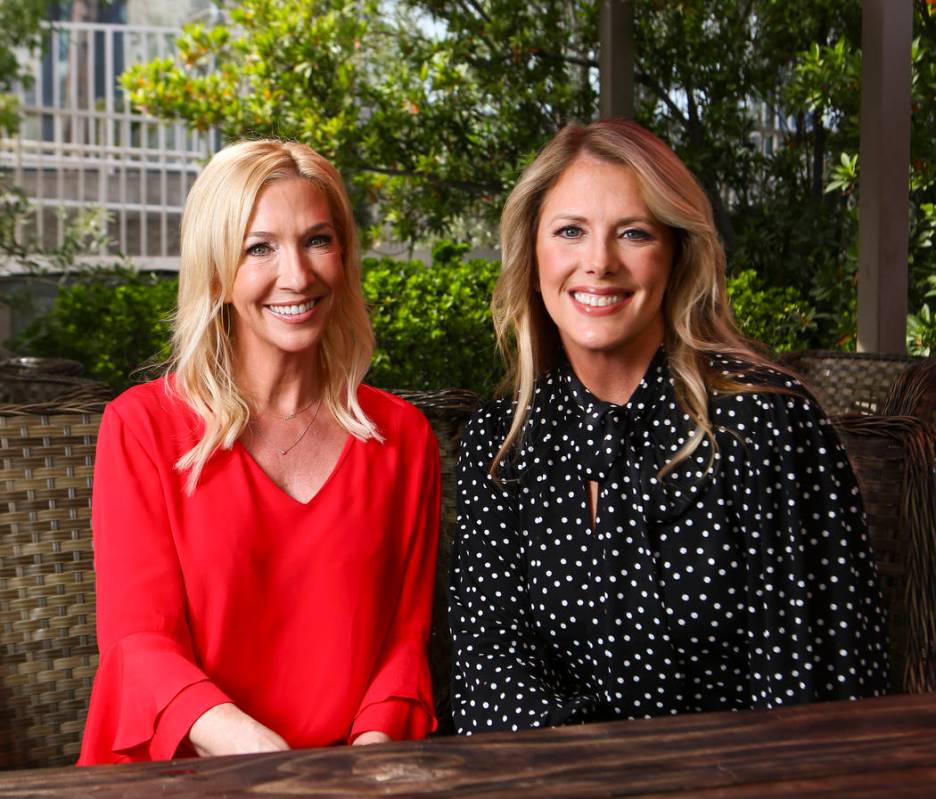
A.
pixel 398 699
pixel 148 689
pixel 500 680
pixel 816 628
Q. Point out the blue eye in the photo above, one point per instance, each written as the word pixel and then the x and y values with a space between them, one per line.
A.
pixel 259 249
pixel 319 240
pixel 635 234
pixel 570 232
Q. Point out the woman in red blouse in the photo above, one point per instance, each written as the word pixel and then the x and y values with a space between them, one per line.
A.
pixel 265 525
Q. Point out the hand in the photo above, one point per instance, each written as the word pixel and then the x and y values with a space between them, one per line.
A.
pixel 227 730
pixel 371 737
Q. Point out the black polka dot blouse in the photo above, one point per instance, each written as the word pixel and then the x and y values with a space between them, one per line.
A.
pixel 750 584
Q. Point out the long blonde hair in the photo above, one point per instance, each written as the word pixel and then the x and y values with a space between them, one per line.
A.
pixel 217 212
pixel 697 318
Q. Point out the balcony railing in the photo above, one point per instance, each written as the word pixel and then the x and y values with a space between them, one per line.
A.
pixel 81 146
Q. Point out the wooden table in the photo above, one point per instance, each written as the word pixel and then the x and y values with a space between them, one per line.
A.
pixel 874 748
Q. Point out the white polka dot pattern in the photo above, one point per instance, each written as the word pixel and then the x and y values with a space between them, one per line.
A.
pixel 751 584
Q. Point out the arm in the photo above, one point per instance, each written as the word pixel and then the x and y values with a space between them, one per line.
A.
pixel 500 678
pixel 398 702
pixel 148 690
pixel 817 630
pixel 226 730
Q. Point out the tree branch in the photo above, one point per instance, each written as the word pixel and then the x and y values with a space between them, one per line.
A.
pixel 566 59
pixel 658 90
pixel 477 9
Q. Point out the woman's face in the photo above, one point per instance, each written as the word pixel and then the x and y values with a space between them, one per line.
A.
pixel 290 273
pixel 603 263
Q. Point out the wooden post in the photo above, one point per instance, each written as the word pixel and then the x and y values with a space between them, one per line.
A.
pixel 616 59
pixel 884 196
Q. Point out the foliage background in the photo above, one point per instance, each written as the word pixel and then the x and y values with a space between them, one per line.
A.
pixel 431 108
pixel 432 322
pixel 431 112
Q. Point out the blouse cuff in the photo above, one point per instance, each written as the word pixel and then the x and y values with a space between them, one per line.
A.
pixel 401 718
pixel 399 699
pixel 139 680
pixel 177 719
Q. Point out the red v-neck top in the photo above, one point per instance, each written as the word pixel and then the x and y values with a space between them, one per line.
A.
pixel 312 618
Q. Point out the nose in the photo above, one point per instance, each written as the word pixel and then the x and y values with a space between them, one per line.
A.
pixel 602 257
pixel 295 271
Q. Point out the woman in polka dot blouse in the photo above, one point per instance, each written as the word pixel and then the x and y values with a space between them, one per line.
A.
pixel 659 520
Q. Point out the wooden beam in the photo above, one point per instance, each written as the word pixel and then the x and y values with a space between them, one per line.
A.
pixel 616 59
pixel 884 183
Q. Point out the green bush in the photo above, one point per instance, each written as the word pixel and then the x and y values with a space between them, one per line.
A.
pixel 780 317
pixel 113 322
pixel 921 326
pixel 433 323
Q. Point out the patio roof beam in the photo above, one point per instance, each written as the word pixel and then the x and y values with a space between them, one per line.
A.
pixel 884 196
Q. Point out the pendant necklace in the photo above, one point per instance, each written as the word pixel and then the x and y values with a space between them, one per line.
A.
pixel 286 419
pixel 294 414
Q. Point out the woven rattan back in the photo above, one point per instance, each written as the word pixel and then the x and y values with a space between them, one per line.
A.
pixel 47 644
pixel 847 382
pixel 447 412
pixel 913 393
pixel 894 458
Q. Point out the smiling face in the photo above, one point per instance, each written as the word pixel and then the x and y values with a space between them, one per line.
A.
pixel 603 263
pixel 290 273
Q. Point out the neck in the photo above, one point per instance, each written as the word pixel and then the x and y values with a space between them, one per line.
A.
pixel 614 376
pixel 280 388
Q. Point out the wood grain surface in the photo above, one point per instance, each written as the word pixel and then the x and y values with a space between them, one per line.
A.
pixel 874 748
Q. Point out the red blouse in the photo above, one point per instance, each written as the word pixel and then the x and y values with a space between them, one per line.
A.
pixel 312 618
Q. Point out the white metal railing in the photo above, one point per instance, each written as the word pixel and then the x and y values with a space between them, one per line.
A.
pixel 80 145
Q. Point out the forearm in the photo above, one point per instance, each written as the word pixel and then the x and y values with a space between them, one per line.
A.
pixel 226 730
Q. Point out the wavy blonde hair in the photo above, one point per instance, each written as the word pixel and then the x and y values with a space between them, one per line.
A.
pixel 697 319
pixel 214 222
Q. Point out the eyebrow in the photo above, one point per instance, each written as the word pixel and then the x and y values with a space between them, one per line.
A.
pixel 265 234
pixel 627 220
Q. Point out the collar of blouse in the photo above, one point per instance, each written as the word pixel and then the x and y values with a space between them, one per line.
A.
pixel 603 427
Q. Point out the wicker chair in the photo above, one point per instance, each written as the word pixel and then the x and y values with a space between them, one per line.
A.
pixel 48 651
pixel 894 457
pixel 40 381
pixel 47 635
pixel 847 382
pixel 447 412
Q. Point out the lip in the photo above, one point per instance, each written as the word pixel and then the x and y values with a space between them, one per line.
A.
pixel 606 291
pixel 295 318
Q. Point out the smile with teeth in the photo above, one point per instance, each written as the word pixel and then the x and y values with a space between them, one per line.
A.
pixel 292 310
pixel 599 300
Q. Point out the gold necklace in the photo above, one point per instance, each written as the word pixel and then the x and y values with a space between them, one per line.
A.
pixel 286 419
pixel 294 414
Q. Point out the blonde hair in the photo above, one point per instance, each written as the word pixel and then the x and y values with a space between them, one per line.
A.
pixel 697 319
pixel 214 222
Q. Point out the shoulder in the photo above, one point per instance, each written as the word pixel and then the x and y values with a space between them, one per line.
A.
pixel 154 414
pixel 760 386
pixel 488 426
pixel 775 408
pixel 755 375
pixel 393 415
pixel 154 401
